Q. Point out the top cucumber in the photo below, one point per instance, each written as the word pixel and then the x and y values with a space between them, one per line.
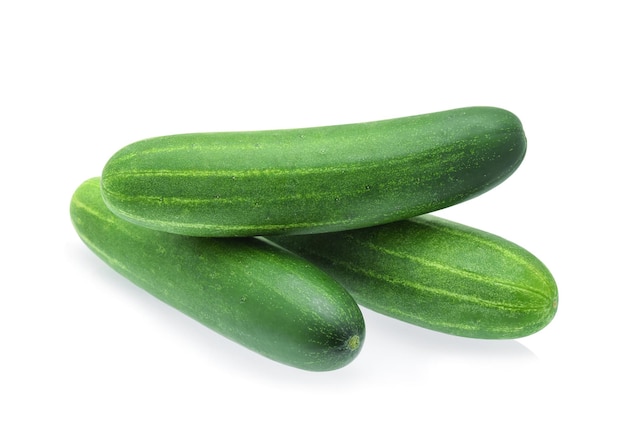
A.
pixel 312 180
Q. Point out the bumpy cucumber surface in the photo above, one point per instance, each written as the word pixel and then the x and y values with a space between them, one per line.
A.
pixel 312 180
pixel 439 275
pixel 252 292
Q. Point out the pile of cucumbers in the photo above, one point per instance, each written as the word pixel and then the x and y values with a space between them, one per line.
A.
pixel 275 238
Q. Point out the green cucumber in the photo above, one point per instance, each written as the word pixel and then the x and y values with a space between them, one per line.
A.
pixel 250 291
pixel 439 275
pixel 312 180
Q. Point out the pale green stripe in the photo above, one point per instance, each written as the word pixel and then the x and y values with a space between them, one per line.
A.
pixel 439 325
pixel 111 261
pixel 326 196
pixel 93 212
pixel 442 267
pixel 491 244
pixel 104 217
pixel 202 226
pixel 296 170
pixel 232 173
pixel 438 291
pixel 107 217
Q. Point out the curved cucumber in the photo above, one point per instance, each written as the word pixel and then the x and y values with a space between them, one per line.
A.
pixel 439 275
pixel 252 292
pixel 312 180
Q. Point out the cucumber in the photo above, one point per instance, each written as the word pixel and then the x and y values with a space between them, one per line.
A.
pixel 250 291
pixel 312 180
pixel 438 274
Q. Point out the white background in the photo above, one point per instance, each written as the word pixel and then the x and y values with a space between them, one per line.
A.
pixel 86 355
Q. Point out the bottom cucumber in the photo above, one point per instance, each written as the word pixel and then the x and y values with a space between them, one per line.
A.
pixel 252 292
pixel 437 274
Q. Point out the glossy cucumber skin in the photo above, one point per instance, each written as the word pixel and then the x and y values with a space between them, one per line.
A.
pixel 438 274
pixel 312 180
pixel 252 292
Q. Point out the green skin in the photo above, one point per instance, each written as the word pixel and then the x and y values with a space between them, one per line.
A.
pixel 250 291
pixel 439 275
pixel 312 180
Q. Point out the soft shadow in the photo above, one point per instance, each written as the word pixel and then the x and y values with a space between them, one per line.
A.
pixel 431 344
